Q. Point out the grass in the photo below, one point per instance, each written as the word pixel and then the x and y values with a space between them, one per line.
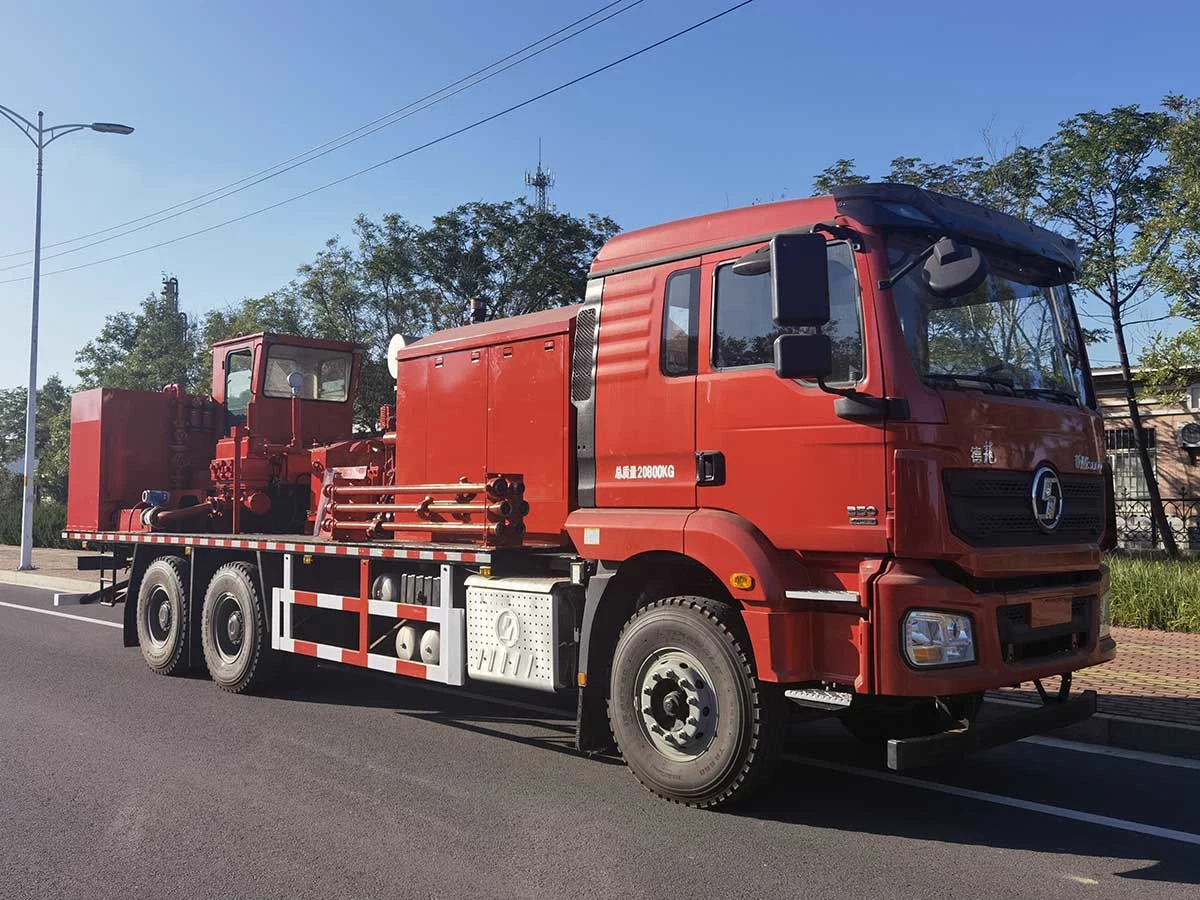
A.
pixel 1155 593
pixel 49 519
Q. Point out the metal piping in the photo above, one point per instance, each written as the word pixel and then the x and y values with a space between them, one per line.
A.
pixel 500 508
pixel 498 487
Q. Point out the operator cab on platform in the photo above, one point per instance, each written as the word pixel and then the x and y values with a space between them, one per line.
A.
pixel 256 378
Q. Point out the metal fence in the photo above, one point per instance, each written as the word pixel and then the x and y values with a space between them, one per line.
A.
pixel 1136 529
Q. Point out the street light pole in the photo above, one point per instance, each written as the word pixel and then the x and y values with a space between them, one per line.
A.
pixel 41 137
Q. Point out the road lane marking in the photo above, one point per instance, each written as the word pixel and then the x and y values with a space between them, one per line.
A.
pixel 1059 812
pixel 61 615
pixel 563 714
pixel 1158 759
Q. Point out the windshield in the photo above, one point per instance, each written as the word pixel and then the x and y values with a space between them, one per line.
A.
pixel 1012 334
pixel 325 373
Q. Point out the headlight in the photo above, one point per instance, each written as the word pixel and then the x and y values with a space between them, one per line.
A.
pixel 1105 613
pixel 938 639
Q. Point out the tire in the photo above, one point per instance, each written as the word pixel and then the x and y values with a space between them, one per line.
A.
pixel 234 631
pixel 163 615
pixel 690 653
pixel 877 720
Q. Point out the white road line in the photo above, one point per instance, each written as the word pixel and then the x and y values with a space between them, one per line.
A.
pixel 61 615
pixel 1060 812
pixel 1158 759
pixel 440 689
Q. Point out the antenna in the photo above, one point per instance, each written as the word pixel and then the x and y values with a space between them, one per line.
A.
pixel 541 180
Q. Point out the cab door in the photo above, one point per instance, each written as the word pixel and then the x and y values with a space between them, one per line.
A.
pixel 777 452
pixel 646 388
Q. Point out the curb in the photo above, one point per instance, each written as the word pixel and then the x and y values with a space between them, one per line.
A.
pixel 1127 733
pixel 46 582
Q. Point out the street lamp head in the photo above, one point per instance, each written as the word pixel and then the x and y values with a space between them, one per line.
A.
pixel 111 128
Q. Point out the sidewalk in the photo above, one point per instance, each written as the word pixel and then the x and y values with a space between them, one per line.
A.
pixel 1156 675
pixel 1149 696
pixel 53 569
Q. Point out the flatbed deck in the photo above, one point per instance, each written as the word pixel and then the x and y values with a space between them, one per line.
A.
pixel 283 543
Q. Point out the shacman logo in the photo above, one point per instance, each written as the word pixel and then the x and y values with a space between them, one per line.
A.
pixel 1047 498
pixel 508 628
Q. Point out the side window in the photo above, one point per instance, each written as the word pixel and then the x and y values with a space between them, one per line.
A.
pixel 681 324
pixel 237 384
pixel 745 334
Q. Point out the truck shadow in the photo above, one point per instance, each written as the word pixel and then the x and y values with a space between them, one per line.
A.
pixel 485 710
pixel 806 793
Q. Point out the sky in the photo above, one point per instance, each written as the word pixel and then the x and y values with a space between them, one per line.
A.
pixel 747 108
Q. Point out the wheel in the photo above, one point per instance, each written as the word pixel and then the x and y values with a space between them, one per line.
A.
pixel 234 630
pixel 876 720
pixel 162 615
pixel 690 718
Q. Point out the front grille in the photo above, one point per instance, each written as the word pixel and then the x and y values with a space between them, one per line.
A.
pixel 994 508
pixel 1015 584
pixel 1020 642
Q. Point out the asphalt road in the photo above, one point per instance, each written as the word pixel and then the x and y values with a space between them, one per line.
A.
pixel 115 782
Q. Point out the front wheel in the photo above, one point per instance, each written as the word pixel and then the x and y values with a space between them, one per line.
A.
pixel 692 721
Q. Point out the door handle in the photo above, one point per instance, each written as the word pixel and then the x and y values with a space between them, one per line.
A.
pixel 710 468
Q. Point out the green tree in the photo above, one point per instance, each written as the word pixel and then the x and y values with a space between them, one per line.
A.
pixel 142 350
pixel 1102 180
pixel 1169 363
pixel 516 258
pixel 841 172
pixel 51 434
pixel 399 278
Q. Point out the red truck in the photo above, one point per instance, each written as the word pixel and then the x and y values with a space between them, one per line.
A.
pixel 838 456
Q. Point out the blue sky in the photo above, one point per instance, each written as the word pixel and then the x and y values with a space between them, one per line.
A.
pixel 747 108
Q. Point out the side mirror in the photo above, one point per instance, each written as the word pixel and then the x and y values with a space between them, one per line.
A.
pixel 799 280
pixel 803 356
pixel 954 269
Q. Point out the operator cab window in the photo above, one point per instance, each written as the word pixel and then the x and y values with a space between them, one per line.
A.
pixel 681 324
pixel 325 374
pixel 238 366
pixel 745 333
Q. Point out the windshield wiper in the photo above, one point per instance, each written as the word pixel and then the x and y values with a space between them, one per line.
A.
pixel 1050 394
pixel 953 381
pixel 1013 388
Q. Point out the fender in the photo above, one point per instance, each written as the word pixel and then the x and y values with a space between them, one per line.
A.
pixel 780 636
pixel 718 544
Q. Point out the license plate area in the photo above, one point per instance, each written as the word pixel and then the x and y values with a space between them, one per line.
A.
pixel 1048 611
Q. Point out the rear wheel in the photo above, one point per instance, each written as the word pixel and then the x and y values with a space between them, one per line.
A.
pixel 162 615
pixel 876 720
pixel 234 630
pixel 692 721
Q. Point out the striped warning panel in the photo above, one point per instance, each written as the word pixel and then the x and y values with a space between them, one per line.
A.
pixel 451 623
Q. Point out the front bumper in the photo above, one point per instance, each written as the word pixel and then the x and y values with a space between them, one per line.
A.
pixel 912 753
pixel 1006 654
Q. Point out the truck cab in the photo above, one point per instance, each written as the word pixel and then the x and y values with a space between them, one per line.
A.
pixel 873 424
